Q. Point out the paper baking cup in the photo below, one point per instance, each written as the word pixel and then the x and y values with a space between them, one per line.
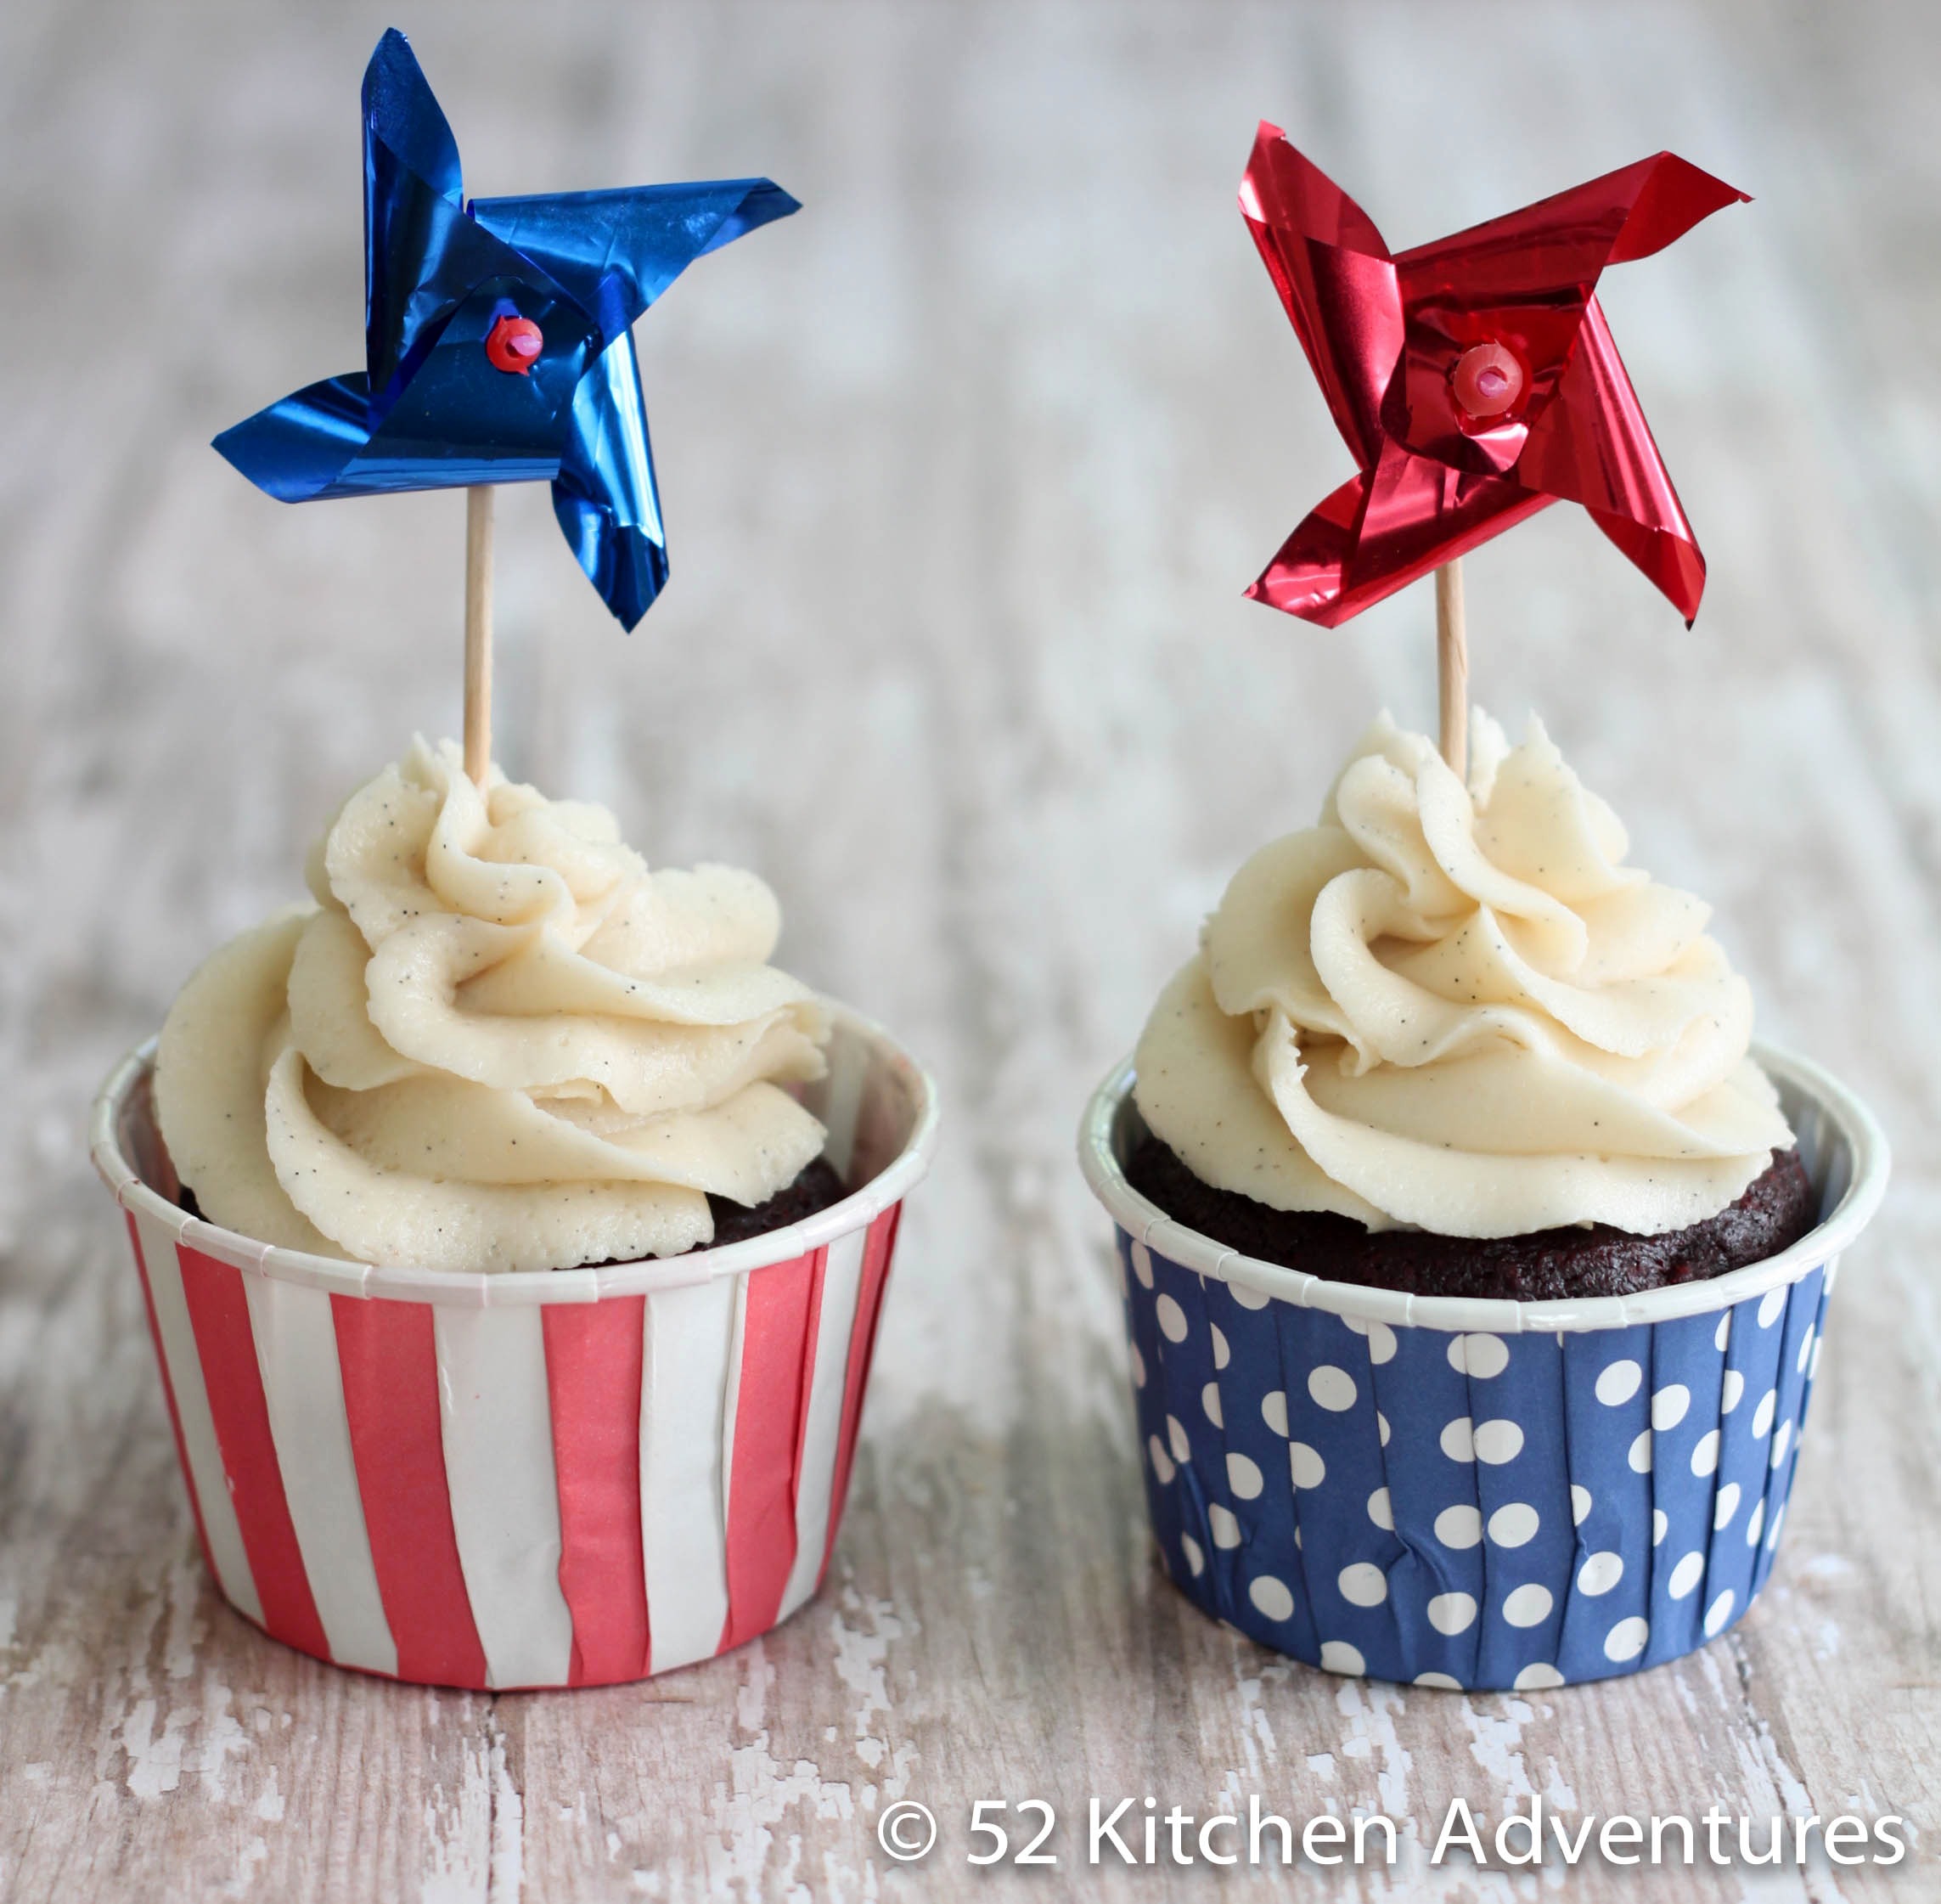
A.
pixel 1467 1493
pixel 534 1478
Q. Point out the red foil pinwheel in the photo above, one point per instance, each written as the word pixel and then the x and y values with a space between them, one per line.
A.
pixel 1475 379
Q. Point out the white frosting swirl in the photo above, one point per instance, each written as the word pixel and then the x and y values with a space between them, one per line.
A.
pixel 499 1042
pixel 1455 1009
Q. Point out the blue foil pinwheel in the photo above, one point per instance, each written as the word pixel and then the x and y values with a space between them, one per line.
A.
pixel 497 338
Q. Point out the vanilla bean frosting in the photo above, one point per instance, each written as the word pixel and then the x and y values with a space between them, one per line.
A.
pixel 1455 1008
pixel 498 1041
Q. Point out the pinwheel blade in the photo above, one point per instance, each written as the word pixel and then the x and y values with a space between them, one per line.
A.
pixel 615 252
pixel 605 497
pixel 444 401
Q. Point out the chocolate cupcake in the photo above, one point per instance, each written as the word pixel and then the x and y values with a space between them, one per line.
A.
pixel 515 1236
pixel 1475 1268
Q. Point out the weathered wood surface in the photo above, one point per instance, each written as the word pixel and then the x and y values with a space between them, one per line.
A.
pixel 965 467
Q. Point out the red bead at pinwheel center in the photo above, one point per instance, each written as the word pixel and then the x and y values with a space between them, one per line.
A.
pixel 1488 380
pixel 513 344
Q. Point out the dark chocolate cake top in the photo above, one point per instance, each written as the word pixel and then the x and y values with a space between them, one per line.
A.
pixel 1774 1212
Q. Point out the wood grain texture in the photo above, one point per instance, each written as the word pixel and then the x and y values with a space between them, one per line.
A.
pixel 964 468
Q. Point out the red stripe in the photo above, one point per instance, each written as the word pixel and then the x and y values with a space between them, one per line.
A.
pixel 219 1312
pixel 778 1348
pixel 389 1357
pixel 592 1380
pixel 876 1253
pixel 168 1396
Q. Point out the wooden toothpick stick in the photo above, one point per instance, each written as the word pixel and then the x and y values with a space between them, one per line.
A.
pixel 1452 667
pixel 478 633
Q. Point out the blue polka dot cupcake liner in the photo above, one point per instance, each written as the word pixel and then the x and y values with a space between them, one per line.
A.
pixel 1471 1494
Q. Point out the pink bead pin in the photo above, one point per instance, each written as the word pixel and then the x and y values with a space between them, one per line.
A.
pixel 513 344
pixel 1488 380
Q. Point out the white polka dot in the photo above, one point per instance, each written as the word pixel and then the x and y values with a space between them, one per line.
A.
pixel 1248 1298
pixel 1455 1527
pixel 1441 1681
pixel 1306 1466
pixel 1705 1453
pixel 1781 1442
pixel 1538 1678
pixel 1497 1442
pixel 1600 1573
pixel 1729 1392
pixel 1271 1597
pixel 1274 1410
pixel 1222 1354
pixel 1806 1343
pixel 1138 1366
pixel 1627 1639
pixel 1779 1521
pixel 1382 1427
pixel 1332 1388
pixel 1668 1405
pixel 1514 1526
pixel 1580 1505
pixel 1223 1526
pixel 1719 1612
pixel 1363 1584
pixel 1297 1540
pixel 1723 1333
pixel 1725 1506
pixel 1142 1264
pixel 1528 1605
pixel 1763 1414
pixel 1660 1527
pixel 1210 1400
pixel 1171 1319
pixel 1195 1561
pixel 1686 1575
pixel 1483 1356
pixel 1772 1306
pixel 1755 1523
pixel 1162 1461
pixel 1451 1613
pixel 1619 1382
pixel 1176 1439
pixel 1459 1440
pixel 1338 1656
pixel 1812 1367
pixel 1382 1509
pixel 1640 1454
pixel 1243 1477
pixel 1381 1339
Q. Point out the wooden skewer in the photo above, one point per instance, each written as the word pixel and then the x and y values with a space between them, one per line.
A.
pixel 1452 667
pixel 478 633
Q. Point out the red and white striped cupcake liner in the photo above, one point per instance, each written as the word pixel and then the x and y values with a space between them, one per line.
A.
pixel 558 1478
